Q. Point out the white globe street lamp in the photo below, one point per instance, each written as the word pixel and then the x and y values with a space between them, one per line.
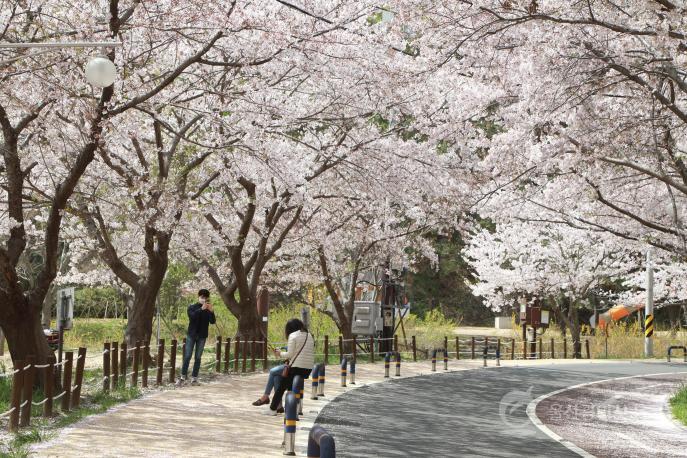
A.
pixel 101 72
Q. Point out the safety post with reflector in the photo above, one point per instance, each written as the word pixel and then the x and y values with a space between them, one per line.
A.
pixel 320 443
pixel 649 326
pixel 315 378
pixel 649 309
pixel 387 363
pixel 434 360
pixel 297 388
pixel 344 365
pixel 398 364
pixel 352 371
pixel 320 382
pixel 290 420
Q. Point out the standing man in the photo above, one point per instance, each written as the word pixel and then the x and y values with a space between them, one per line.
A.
pixel 200 316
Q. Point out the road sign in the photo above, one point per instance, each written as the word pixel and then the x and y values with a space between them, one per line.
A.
pixel 65 308
pixel 535 317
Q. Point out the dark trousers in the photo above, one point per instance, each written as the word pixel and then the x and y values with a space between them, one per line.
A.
pixel 199 344
pixel 287 383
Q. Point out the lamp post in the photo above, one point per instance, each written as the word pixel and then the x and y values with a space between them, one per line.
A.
pixel 100 71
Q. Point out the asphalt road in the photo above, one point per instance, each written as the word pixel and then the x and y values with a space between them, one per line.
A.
pixel 465 413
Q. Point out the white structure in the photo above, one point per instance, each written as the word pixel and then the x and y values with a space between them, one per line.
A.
pixel 503 322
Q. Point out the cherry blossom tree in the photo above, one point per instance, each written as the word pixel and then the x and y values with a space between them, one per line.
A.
pixel 587 104
pixel 52 125
pixel 549 263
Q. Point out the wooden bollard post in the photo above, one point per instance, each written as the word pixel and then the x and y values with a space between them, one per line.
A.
pixel 457 347
pixel 541 349
pixel 78 381
pixel 227 354
pixel 586 346
pixel 340 349
pixel 396 343
pixel 413 343
pixel 253 350
pixel 498 352
pixel 218 354
pixel 160 361
pixel 372 349
pixel 565 348
pixel 27 391
pixel 524 349
pixel 67 380
pixel 114 365
pixel 123 354
pixel 445 344
pixel 485 349
pixel 264 355
pixel 244 349
pixel 107 378
pixel 553 350
pixel 146 363
pixel 237 347
pixel 472 347
pixel 512 349
pixel 326 350
pixel 17 387
pixel 49 387
pixel 172 360
pixel 137 356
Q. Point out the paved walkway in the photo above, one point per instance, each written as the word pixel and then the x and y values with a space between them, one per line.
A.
pixel 214 419
pixel 628 411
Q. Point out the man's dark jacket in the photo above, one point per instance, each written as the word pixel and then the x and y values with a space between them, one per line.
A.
pixel 198 321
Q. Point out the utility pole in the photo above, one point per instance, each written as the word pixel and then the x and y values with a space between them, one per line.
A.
pixel 649 309
pixel 387 310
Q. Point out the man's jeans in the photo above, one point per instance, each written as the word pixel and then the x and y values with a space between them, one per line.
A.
pixel 199 343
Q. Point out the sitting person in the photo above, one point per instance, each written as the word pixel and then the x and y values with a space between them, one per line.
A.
pixel 300 352
pixel 273 380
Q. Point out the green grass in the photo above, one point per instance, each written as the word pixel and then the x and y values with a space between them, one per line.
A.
pixel 678 404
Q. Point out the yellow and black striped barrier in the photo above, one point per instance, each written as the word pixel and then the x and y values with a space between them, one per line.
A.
pixel 320 382
pixel 290 421
pixel 297 388
pixel 344 364
pixel 315 379
pixel 649 326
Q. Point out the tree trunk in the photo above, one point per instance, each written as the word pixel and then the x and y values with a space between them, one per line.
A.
pixel 46 314
pixel 347 335
pixel 24 333
pixel 575 331
pixel 250 328
pixel 139 324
